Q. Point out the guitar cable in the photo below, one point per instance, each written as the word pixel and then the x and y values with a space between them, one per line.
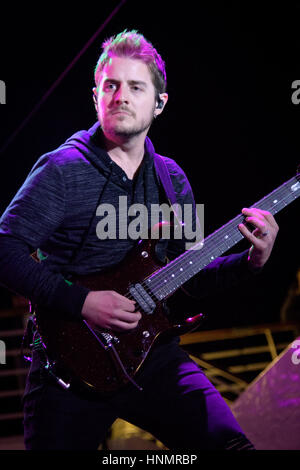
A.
pixel 34 341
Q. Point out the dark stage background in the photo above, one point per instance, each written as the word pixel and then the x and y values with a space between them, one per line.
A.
pixel 230 121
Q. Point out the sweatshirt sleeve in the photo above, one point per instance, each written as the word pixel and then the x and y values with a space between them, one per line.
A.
pixel 35 212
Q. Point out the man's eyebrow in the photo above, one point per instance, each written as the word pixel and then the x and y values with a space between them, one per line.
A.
pixel 131 82
pixel 137 82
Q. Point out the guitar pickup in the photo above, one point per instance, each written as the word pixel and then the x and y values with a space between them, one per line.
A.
pixel 142 297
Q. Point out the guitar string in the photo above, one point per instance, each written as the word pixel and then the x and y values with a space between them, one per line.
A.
pixel 217 245
pixel 265 200
pixel 172 265
pixel 219 240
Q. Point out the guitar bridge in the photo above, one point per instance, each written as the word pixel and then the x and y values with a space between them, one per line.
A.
pixel 109 339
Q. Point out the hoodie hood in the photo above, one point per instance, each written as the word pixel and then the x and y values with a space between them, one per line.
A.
pixel 89 143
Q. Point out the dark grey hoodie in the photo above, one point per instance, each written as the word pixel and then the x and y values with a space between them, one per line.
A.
pixel 56 204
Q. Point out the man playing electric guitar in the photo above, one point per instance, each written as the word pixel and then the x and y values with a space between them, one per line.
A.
pixel 58 207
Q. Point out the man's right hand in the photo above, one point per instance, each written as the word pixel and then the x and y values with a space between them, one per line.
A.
pixel 110 310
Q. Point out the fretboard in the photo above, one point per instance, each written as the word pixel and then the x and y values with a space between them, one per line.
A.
pixel 167 280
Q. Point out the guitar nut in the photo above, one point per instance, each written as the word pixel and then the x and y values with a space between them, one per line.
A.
pixel 144 254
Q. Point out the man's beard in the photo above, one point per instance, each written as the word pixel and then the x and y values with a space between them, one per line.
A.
pixel 134 131
pixel 129 132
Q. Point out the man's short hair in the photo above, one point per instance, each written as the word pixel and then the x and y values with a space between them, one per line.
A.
pixel 133 45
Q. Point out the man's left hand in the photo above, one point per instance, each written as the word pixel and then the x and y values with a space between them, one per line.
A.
pixel 262 237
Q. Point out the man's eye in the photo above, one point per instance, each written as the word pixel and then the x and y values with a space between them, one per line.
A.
pixel 110 86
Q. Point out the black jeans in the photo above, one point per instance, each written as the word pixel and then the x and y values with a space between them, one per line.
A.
pixel 178 405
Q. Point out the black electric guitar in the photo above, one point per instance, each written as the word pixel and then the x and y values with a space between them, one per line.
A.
pixel 105 360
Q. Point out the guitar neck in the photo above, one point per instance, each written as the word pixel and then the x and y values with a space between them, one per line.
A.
pixel 167 280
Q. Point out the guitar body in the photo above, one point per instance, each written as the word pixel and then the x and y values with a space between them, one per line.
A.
pixel 78 354
pixel 107 361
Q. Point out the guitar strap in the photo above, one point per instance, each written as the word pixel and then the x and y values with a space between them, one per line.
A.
pixel 164 178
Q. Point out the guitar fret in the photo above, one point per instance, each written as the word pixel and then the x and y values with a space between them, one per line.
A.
pixel 180 270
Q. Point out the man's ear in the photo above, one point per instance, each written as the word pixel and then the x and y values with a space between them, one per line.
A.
pixel 161 102
pixel 95 98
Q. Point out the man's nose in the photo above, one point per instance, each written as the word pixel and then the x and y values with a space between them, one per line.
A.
pixel 121 95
